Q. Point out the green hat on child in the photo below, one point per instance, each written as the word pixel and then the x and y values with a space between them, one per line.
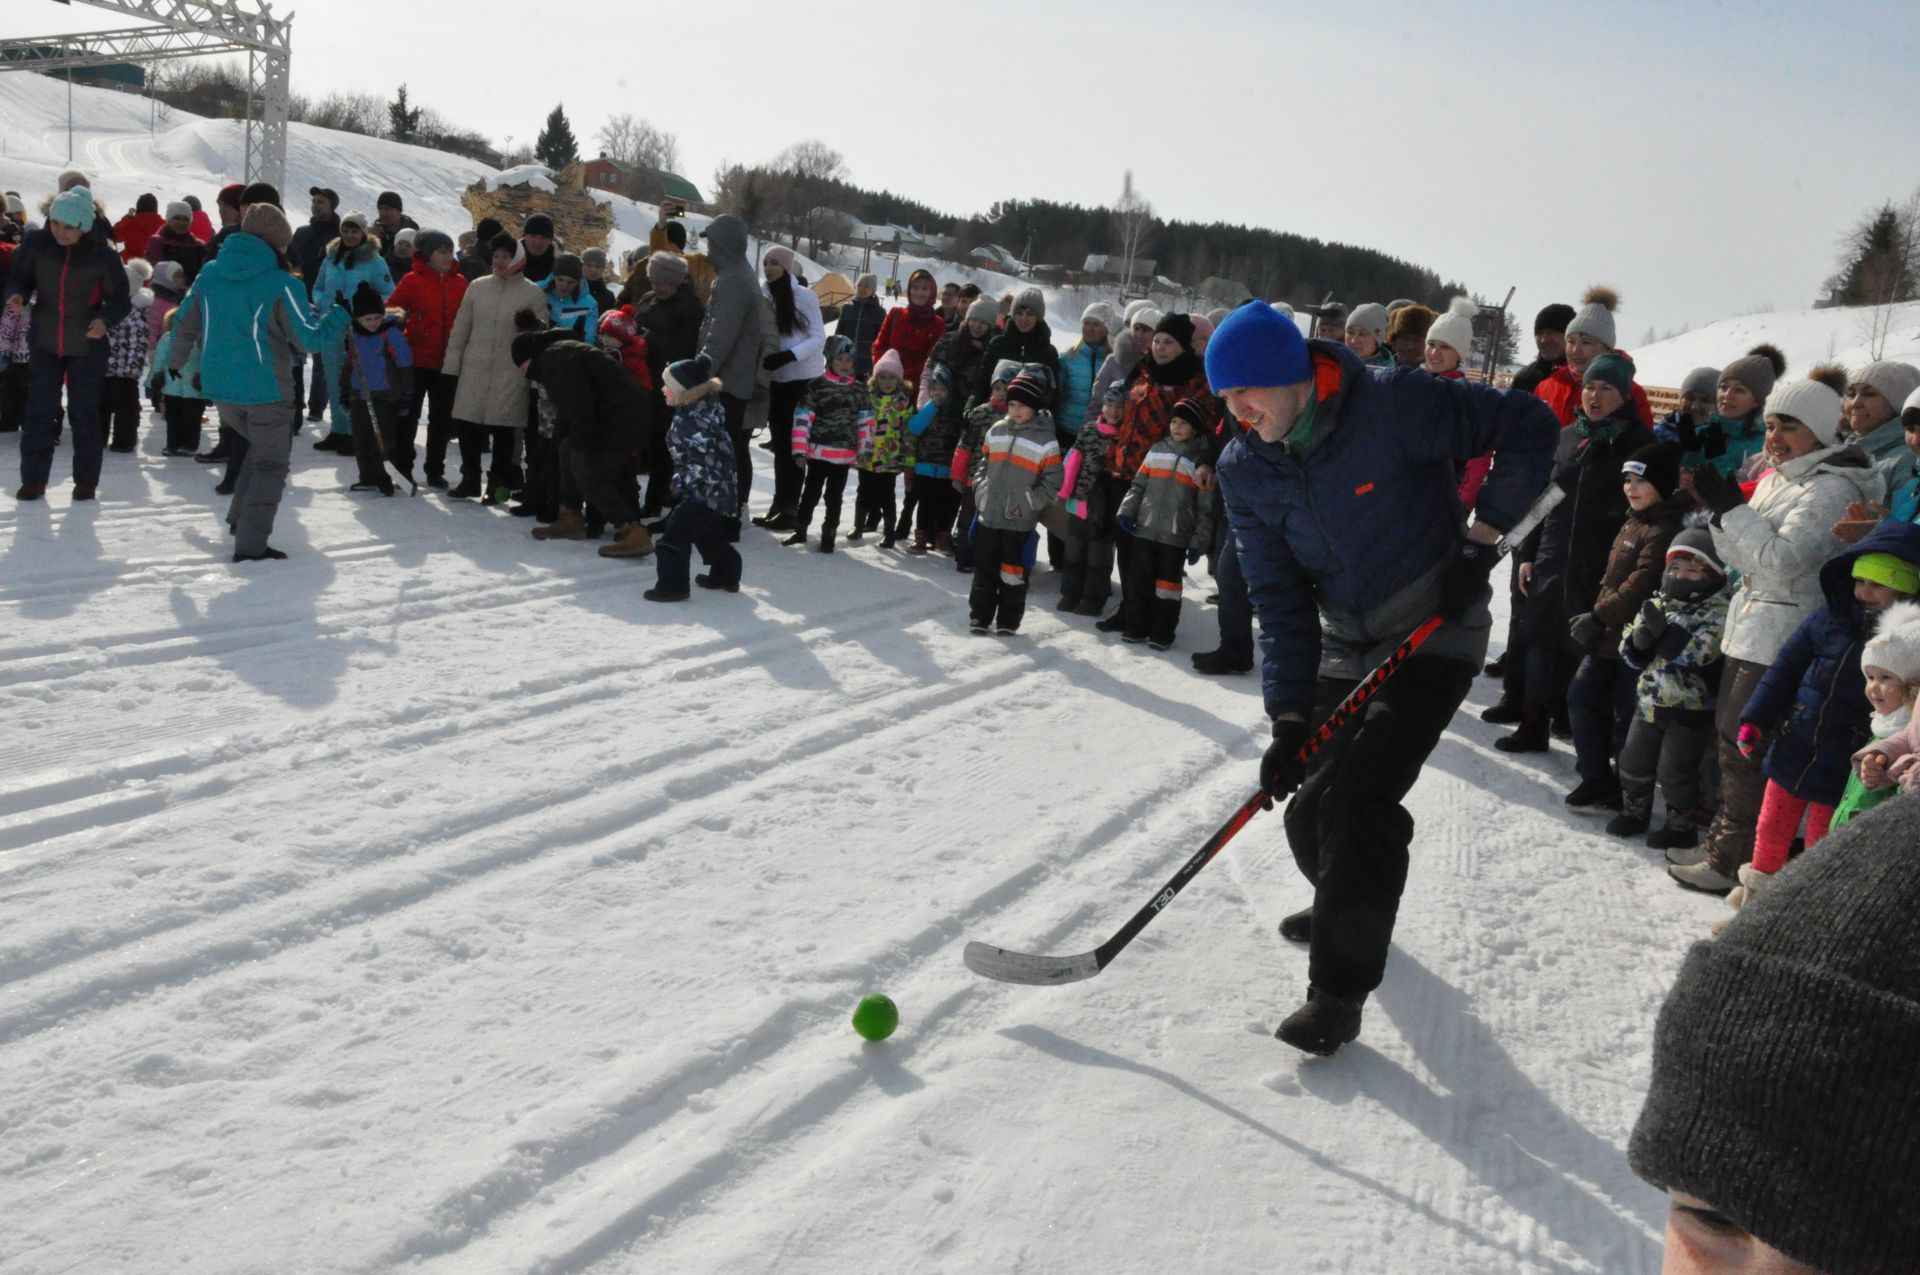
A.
pixel 1883 568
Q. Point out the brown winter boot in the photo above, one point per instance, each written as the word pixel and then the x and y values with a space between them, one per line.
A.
pixel 568 526
pixel 630 541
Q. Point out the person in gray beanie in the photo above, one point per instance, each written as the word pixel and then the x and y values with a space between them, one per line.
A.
pixel 1780 1117
pixel 1870 415
pixel 1697 392
pixel 1367 334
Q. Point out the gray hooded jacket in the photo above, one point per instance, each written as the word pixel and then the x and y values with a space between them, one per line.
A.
pixel 731 334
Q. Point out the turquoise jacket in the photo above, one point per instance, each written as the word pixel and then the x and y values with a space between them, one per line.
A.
pixel 245 316
pixel 337 280
pixel 1078 367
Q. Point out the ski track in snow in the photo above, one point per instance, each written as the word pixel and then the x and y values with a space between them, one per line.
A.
pixel 431 901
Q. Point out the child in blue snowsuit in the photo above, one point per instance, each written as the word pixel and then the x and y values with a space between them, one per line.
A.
pixel 376 380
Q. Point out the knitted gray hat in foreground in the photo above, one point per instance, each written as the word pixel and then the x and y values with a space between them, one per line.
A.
pixel 1785 1057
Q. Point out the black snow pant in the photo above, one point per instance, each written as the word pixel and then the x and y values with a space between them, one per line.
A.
pixel 938 502
pixel 120 404
pixel 908 503
pixel 659 467
pixel 432 398
pixel 736 409
pixel 1347 827
pixel 873 503
pixel 999 593
pixel 692 526
pixel 1671 750
pixel 821 476
pixel 184 419
pixel 494 441
pixel 596 478
pixel 782 398
pixel 367 415
pixel 13 397
pixel 1152 598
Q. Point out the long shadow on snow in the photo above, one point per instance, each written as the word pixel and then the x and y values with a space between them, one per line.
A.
pixel 303 671
pixel 1482 1089
pixel 1073 1051
pixel 40 533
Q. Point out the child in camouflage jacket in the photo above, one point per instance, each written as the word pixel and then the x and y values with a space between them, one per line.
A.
pixel 1675 643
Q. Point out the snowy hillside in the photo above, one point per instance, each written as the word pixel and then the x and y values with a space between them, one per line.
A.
pixel 186 154
pixel 432 901
pixel 1806 337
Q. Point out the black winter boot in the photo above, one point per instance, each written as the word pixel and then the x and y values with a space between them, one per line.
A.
pixel 1628 823
pixel 1323 1024
pixel 1530 738
pixel 826 539
pixel 1219 663
pixel 1507 712
pixel 1298 928
pixel 1597 794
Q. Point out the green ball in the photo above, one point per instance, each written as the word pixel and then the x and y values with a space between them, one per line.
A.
pixel 875 1017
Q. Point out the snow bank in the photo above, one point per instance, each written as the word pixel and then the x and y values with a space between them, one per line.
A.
pixel 1806 337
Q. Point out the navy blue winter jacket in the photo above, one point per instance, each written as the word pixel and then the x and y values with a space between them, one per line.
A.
pixel 1354 535
pixel 1815 685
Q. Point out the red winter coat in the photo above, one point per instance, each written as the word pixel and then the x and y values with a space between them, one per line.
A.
pixel 202 228
pixel 431 299
pixel 912 336
pixel 1561 392
pixel 134 230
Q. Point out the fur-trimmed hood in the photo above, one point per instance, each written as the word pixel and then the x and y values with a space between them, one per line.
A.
pixel 369 248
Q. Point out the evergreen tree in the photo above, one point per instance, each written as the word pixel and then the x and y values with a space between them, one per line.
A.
pixel 402 121
pixel 556 147
pixel 1879 263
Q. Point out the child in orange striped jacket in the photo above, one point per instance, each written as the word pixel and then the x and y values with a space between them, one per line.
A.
pixel 1171 521
pixel 1019 479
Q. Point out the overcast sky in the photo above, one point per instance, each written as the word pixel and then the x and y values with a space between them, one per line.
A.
pixel 1703 158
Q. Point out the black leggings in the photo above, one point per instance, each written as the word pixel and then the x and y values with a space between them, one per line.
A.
pixel 821 476
pixel 782 398
pixel 873 502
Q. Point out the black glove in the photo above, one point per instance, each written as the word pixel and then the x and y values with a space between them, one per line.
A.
pixel 1713 440
pixel 1194 556
pixel 1584 628
pixel 1719 492
pixel 1653 622
pixel 1464 585
pixel 1282 769
pixel 777 360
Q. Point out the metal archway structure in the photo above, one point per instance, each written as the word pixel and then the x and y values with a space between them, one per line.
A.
pixel 184 29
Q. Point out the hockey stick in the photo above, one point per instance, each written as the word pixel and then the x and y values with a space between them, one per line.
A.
pixel 1043 971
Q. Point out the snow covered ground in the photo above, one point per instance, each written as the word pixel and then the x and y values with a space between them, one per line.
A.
pixel 1806 337
pixel 430 900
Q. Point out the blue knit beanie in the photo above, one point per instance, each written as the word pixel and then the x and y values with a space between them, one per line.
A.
pixel 1256 346
pixel 75 207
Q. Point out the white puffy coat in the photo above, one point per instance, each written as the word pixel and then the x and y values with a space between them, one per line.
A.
pixel 1778 541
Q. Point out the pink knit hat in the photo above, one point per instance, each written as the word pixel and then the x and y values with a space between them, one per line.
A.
pixel 890 362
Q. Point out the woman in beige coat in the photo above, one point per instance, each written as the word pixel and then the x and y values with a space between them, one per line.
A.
pixel 490 399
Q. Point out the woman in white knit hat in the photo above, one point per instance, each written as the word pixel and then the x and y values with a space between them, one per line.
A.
pixel 1777 541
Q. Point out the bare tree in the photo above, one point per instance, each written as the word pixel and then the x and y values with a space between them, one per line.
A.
pixel 804 173
pixel 629 140
pixel 1132 218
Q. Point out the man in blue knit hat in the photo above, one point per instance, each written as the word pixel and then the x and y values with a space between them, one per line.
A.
pixel 1343 498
